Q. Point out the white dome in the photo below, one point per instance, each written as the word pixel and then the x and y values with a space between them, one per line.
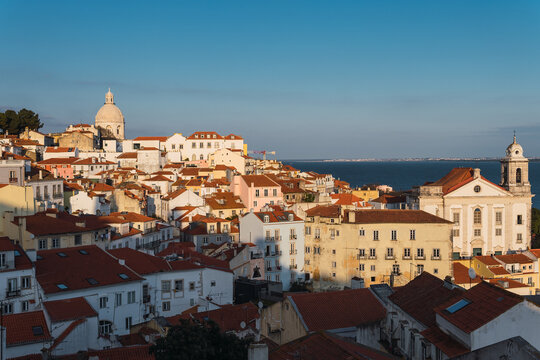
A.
pixel 109 113
pixel 514 150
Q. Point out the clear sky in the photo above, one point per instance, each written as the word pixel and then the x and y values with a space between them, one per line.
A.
pixel 309 79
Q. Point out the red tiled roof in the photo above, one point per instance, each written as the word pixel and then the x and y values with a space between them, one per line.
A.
pixel 131 232
pixel 59 161
pixel 159 178
pixel 127 155
pixel 259 181
pixel 461 275
pixel 233 137
pixel 498 270
pixel 535 252
pixel 488 260
pixel 93 161
pixel 514 259
pixel 177 248
pixel 444 342
pixel 277 216
pixel 174 194
pixel 377 216
pixel 390 199
pixel 103 187
pixel 456 178
pixel 95 264
pixel 330 211
pixel 229 318
pixel 63 223
pixel 69 309
pixel 140 352
pixel 208 135
pixel 341 309
pixel 140 262
pixel 421 296
pixel 486 303
pixel 19 328
pixel 325 346
pixel 59 149
pixel 147 138
pixel 507 283
pixel 131 216
pixel 345 199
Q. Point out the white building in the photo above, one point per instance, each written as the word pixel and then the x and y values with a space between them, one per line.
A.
pixel 90 203
pixel 280 234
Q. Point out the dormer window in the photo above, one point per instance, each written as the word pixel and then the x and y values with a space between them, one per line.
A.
pixel 291 217
pixel 266 218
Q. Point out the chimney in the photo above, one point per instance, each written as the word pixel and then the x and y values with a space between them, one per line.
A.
pixel 40 174
pixel 258 352
pixel 122 262
pixel 352 217
pixel 476 173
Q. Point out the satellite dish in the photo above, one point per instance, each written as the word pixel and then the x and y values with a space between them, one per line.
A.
pixel 260 304
pixel 243 325
pixel 472 273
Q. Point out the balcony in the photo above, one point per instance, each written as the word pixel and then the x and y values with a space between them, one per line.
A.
pixel 406 257
pixel 389 257
pixel 420 257
pixel 293 252
pixel 435 257
pixel 372 257
pixel 268 239
pixel 13 180
pixel 294 266
pixel 146 299
pixel 360 257
pixel 292 237
pixel 13 293
pixel 58 195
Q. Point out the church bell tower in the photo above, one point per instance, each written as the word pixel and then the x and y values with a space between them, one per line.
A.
pixel 515 170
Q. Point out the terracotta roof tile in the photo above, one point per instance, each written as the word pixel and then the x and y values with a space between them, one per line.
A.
pixel 444 342
pixel 461 274
pixel 148 138
pixel 140 262
pixel 341 309
pixel 514 259
pixel 259 181
pixel 485 303
pixel 20 328
pixel 69 309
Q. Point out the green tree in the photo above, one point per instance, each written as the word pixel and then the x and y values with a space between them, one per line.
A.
pixel 16 122
pixel 194 340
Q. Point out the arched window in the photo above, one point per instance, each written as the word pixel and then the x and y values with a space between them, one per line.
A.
pixel 518 175
pixel 477 217
pixel 118 130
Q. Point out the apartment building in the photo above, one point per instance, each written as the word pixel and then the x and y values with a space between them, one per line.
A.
pixel 390 246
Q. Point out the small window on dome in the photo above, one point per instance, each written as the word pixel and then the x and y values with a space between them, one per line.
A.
pixel 517 152
pixel 477 188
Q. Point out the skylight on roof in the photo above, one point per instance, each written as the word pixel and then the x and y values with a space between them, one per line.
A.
pixel 17 253
pixel 123 276
pixel 61 254
pixel 92 281
pixel 37 330
pixel 39 257
pixel 62 286
pixel 458 306
pixel 83 252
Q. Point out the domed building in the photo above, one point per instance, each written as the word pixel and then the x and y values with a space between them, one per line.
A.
pixel 109 119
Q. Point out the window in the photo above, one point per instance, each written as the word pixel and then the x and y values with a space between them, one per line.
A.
pixel 390 252
pixel 420 252
pixel 7 308
pixel 477 251
pixel 274 192
pixel 78 239
pixel 436 253
pixel 477 189
pixel 375 234
pixel 103 302
pixel 166 306
pixel 334 264
pixel 520 219
pixel 255 203
pixel 42 244
pixel 455 232
pixel 361 267
pixel 25 305
pixel 26 282
pixel 129 321
pixel 456 218
pixel 518 175
pixel 333 251
pixel 265 192
pixel 179 285
pixel 477 216
pixel 372 268
pixel 213 283
pixel 361 252
pixel 412 234
pixel 317 233
pixel 498 232
pixel 308 230
pixel 131 297
pixel 192 286
pixel 201 145
pixel 362 232
pixel 394 234
pixel 118 299
pixel 395 269
pixel 372 253
pixel 519 238
pixel 257 193
pixel 406 253
pixel 55 243
pixel 2 260
pixel 419 269
pixel 477 232
pixel 498 217
pixel 105 327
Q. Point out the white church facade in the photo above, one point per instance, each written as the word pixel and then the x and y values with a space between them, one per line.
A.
pixel 488 218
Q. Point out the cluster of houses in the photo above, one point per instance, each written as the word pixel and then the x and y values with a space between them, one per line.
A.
pixel 106 242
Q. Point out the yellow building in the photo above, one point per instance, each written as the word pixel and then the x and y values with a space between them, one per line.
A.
pixel 390 246
pixel 18 199
pixel 367 194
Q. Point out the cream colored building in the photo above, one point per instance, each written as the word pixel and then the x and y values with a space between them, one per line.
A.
pixel 109 119
pixel 18 199
pixel 390 246
pixel 488 218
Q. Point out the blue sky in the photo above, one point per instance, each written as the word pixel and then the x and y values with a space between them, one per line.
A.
pixel 309 79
